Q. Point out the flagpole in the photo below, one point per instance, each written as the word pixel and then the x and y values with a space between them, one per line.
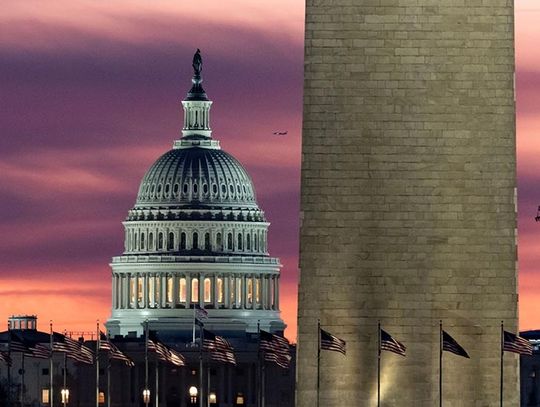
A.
pixel 201 404
pixel 22 379
pixel 51 389
pixel 259 371
pixel 97 363
pixel 157 383
pixel 208 385
pixel 379 364
pixel 318 359
pixel 64 401
pixel 9 366
pixel 440 362
pixel 194 322
pixel 502 362
pixel 108 379
pixel 146 357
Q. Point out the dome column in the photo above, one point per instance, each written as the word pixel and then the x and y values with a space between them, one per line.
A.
pixel 176 290
pixel 226 294
pixel 188 290
pixel 253 291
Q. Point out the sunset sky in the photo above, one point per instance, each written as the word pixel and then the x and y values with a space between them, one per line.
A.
pixel 90 97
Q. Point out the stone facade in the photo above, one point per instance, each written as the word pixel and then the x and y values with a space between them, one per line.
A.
pixel 408 199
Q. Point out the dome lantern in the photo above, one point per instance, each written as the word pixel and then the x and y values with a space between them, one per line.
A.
pixel 196 111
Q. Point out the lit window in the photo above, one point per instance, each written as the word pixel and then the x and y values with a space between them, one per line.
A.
pixel 195 290
pixel 258 291
pixel 158 291
pixel 170 243
pixel 220 290
pixel 195 244
pixel 45 396
pixel 207 290
pixel 132 290
pixel 140 289
pixel 170 289
pixel 182 290
pixel 249 291
pixel 101 398
pixel 239 241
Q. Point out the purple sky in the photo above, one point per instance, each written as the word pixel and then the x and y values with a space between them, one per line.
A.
pixel 90 96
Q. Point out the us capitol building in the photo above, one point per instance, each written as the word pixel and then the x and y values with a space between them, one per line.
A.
pixel 196 236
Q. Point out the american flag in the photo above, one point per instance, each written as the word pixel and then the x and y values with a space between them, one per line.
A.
pixel 275 349
pixel 331 342
pixel 219 348
pixel 200 313
pixel 73 349
pixel 112 349
pixel 34 350
pixel 516 344
pixel 391 345
pixel 450 345
pixel 163 352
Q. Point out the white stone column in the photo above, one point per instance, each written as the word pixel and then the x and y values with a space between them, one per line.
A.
pixel 188 290
pixel 163 290
pixel 215 290
pixel 226 291
pixel 145 291
pixel 176 290
pixel 276 290
pixel 115 291
pixel 201 290
pixel 244 292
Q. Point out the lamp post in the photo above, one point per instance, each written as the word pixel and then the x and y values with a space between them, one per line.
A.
pixel 193 395
pixel 146 396
pixel 212 399
pixel 64 393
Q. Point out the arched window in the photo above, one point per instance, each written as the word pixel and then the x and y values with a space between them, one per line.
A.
pixel 182 290
pixel 229 241
pixel 256 242
pixel 248 242
pixel 219 242
pixel 170 241
pixel 160 241
pixel 195 244
pixel 132 290
pixel 207 241
pixel 219 282
pixel 170 293
pixel 150 241
pixel 207 290
pixel 258 291
pixel 239 245
pixel 195 290
pixel 182 241
pixel 136 245
pixel 142 241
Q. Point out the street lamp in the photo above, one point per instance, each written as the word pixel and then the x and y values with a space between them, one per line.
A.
pixel 193 394
pixel 146 396
pixel 64 393
pixel 212 399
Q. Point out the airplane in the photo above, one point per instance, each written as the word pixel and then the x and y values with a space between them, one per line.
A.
pixel 280 133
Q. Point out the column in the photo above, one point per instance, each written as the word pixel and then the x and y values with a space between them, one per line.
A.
pixel 244 292
pixel 276 291
pixel 163 290
pixel 188 290
pixel 176 290
pixel 201 290
pixel 115 291
pixel 215 290
pixel 264 292
pixel 226 291
pixel 125 291
pixel 253 291
pixel 145 291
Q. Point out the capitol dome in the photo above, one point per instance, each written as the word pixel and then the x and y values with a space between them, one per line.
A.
pixel 195 238
pixel 196 178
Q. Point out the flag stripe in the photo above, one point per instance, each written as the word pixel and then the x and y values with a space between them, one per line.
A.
pixel 391 345
pixel 451 345
pixel 516 344
pixel 331 342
